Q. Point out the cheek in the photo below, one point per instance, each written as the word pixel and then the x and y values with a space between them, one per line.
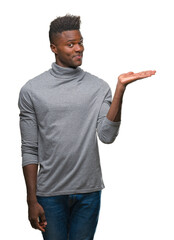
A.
pixel 64 52
pixel 68 54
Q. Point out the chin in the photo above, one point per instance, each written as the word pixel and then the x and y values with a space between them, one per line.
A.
pixel 77 65
pixel 80 63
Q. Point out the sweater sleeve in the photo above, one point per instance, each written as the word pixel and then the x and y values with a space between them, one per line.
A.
pixel 28 128
pixel 107 130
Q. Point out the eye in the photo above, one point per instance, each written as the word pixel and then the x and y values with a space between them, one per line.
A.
pixel 81 43
pixel 70 45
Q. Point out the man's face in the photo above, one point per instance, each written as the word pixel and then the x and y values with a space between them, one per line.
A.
pixel 68 48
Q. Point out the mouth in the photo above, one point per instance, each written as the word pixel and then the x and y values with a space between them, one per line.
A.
pixel 79 56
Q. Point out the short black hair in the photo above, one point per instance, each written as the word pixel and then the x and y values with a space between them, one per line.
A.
pixel 65 23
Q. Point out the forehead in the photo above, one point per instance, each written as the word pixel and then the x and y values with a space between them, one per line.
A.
pixel 73 35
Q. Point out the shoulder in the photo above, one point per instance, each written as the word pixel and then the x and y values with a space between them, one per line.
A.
pixel 33 83
pixel 98 81
pixel 39 79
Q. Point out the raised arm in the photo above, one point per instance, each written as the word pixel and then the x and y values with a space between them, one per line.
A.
pixel 109 117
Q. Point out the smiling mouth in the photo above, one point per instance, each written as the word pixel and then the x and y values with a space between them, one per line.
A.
pixel 78 56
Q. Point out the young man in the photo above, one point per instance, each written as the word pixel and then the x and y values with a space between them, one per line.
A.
pixel 60 112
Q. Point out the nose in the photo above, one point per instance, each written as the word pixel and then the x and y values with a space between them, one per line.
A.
pixel 78 48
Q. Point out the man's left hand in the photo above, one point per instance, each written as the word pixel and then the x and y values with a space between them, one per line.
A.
pixel 130 77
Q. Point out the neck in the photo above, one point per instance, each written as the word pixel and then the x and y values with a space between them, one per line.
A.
pixel 61 65
pixel 66 73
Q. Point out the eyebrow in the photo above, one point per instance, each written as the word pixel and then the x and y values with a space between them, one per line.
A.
pixel 73 40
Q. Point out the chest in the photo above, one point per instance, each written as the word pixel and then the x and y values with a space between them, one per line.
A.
pixel 61 100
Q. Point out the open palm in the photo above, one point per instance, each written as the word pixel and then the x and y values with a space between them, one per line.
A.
pixel 129 77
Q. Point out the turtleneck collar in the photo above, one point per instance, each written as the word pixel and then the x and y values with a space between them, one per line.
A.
pixel 64 73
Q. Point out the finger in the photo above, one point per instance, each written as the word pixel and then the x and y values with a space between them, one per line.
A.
pixel 153 72
pixel 125 75
pixel 128 74
pixel 35 224
pixel 43 219
pixel 149 72
pixel 42 224
pixel 144 74
pixel 41 227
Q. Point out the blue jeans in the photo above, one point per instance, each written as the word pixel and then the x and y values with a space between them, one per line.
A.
pixel 71 217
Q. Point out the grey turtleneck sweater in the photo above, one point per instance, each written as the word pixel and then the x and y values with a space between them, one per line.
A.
pixel 60 112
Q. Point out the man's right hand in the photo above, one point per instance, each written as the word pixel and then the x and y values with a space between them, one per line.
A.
pixel 36 216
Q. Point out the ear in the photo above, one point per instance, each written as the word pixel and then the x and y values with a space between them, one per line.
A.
pixel 53 48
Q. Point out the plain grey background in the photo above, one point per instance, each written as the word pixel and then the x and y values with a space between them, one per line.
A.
pixel 138 168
